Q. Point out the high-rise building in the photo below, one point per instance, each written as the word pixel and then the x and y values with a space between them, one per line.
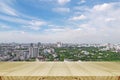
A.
pixel 31 45
pixel 33 52
pixel 39 44
pixel 59 44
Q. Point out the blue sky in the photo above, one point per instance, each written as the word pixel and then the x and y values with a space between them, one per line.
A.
pixel 72 21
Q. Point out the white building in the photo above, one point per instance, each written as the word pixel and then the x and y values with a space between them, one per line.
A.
pixel 33 52
pixel 59 44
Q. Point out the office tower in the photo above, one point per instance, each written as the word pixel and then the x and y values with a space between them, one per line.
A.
pixel 33 51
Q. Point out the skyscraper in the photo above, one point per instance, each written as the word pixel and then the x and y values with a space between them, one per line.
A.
pixel 33 51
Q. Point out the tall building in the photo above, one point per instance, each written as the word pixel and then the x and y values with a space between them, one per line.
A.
pixel 33 52
pixel 59 44
pixel 39 44
pixel 31 45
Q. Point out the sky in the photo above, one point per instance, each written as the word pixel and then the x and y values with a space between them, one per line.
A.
pixel 68 21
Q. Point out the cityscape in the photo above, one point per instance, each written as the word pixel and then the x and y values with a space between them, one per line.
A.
pixel 59 52
pixel 59 39
pixel 59 30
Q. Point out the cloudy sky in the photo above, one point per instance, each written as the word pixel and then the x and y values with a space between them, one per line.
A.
pixel 72 21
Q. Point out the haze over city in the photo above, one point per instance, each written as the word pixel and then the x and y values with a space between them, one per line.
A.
pixel 74 21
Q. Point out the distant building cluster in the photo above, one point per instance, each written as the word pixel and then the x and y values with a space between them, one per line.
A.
pixel 43 51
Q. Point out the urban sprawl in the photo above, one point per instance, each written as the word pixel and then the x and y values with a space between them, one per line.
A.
pixel 59 52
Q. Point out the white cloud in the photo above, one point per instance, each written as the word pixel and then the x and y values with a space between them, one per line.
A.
pixel 29 23
pixel 63 2
pixel 61 10
pixel 102 7
pixel 35 24
pixel 18 36
pixel 7 9
pixel 81 8
pixel 82 1
pixel 14 19
pixel 101 26
pixel 110 19
pixel 55 30
pixel 81 17
pixel 3 26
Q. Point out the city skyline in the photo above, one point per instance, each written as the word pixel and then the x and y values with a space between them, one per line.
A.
pixel 67 21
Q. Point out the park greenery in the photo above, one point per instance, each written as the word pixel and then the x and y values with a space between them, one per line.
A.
pixel 83 54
